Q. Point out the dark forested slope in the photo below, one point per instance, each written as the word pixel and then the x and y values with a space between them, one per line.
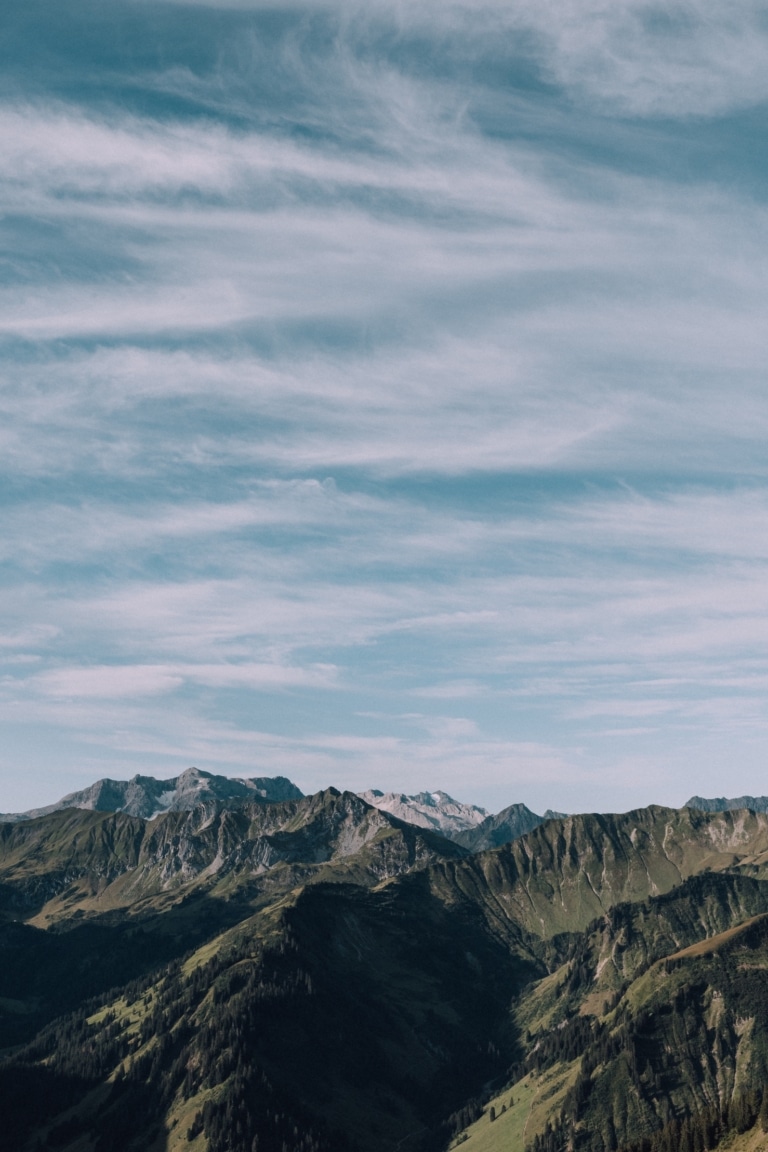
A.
pixel 317 975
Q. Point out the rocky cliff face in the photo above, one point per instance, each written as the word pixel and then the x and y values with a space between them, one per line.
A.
pixel 656 1022
pixel 506 825
pixel 472 827
pixel 97 861
pixel 147 797
pixel 566 873
pixel 435 810
pixel 721 804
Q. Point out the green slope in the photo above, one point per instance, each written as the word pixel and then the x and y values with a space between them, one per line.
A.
pixel 93 862
pixel 565 873
pixel 119 896
pixel 662 1009
pixel 339 979
pixel 366 1014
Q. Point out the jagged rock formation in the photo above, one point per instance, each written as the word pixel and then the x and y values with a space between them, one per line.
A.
pixel 93 861
pixel 506 825
pixel 435 810
pixel 147 797
pixel 721 804
pixel 467 824
pixel 565 873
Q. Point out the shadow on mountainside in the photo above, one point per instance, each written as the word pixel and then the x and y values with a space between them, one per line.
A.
pixel 345 1019
pixel 45 973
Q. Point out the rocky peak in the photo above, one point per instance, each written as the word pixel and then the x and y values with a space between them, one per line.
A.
pixel 435 810
pixel 146 796
pixel 506 825
pixel 723 804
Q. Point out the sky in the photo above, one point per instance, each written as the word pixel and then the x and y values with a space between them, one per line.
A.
pixel 384 397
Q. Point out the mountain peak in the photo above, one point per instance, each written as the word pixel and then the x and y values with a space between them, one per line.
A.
pixel 435 810
pixel 724 804
pixel 194 774
pixel 147 797
pixel 504 826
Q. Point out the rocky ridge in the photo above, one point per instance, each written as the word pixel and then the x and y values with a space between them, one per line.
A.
pixel 147 797
pixel 722 804
pixel 435 810
pixel 99 861
pixel 502 827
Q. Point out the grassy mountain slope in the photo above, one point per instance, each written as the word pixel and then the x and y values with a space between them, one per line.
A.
pixel 75 860
pixel 120 896
pixel 656 1016
pixel 565 873
pixel 690 1034
pixel 365 1013
pixel 328 990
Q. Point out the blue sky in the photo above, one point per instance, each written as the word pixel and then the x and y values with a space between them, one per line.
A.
pixel 384 396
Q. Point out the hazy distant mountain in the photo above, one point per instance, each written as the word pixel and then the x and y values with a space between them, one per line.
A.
pixel 504 826
pixel 146 797
pixel 467 824
pixel 435 810
pixel 721 804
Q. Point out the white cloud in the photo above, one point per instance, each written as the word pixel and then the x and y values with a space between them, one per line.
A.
pixel 553 327
pixel 346 571
pixel 111 682
pixel 35 635
pixel 107 682
pixel 693 57
pixel 415 280
pixel 684 57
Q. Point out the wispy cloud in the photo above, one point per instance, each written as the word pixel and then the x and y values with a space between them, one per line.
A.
pixel 119 681
pixel 383 395
pixel 687 57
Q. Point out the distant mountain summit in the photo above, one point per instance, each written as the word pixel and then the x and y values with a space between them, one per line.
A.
pixel 505 826
pixel 466 824
pixel 722 804
pixel 469 825
pixel 147 797
pixel 94 859
pixel 435 810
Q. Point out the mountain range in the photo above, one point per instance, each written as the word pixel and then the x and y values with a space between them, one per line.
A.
pixel 317 973
pixel 473 827
pixel 435 810
pixel 721 804
pixel 147 797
